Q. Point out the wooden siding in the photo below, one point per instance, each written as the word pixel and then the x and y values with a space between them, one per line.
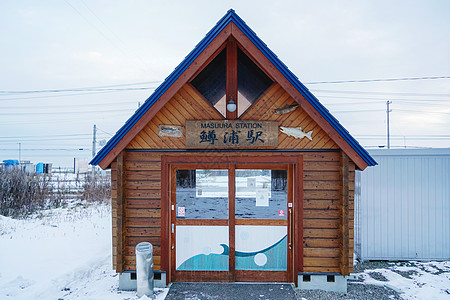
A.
pixel 188 104
pixel 139 218
pixel 276 97
pixel 321 216
pixel 322 212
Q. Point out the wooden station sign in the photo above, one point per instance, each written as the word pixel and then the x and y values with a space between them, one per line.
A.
pixel 231 134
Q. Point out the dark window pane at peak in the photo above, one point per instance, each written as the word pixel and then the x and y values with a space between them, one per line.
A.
pixel 252 82
pixel 211 81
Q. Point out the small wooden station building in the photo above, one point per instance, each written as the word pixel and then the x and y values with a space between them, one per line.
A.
pixel 234 171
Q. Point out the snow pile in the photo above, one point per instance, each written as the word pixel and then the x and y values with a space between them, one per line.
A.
pixel 414 280
pixel 59 254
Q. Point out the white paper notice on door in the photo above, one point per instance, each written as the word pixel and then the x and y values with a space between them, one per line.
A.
pixel 251 183
pixel 262 198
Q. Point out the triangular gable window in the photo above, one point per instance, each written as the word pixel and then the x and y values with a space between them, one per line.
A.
pixel 251 82
pixel 211 82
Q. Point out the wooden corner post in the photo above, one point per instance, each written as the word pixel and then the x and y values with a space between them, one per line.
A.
pixel 120 212
pixel 344 214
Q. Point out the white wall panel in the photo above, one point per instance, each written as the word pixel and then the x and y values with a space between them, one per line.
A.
pixel 403 205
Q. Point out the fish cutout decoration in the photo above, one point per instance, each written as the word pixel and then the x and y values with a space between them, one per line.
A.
pixel 296 132
pixel 286 109
pixel 170 130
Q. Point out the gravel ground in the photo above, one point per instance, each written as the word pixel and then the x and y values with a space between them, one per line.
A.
pixel 229 291
pixel 354 291
pixel 357 289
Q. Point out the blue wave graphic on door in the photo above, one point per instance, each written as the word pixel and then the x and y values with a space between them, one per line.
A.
pixel 210 262
pixel 273 258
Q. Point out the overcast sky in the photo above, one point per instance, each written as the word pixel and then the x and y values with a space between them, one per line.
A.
pixel 129 47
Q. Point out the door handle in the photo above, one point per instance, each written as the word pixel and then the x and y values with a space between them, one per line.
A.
pixel 290 228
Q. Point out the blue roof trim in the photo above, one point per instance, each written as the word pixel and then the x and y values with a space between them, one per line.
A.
pixel 231 16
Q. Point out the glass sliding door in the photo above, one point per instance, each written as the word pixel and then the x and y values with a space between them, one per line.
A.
pixel 230 222
pixel 202 238
pixel 261 220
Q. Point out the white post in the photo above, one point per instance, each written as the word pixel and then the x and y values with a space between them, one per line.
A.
pixel 144 269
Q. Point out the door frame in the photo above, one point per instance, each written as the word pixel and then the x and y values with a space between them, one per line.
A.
pixel 202 160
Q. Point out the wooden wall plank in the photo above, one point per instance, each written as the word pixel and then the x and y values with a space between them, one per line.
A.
pixel 144 175
pixel 318 269
pixel 142 213
pixel 321 223
pixel 321 252
pixel 321 233
pixel 143 194
pixel 320 262
pixel 142 231
pixel 143 203
pixel 322 243
pixel 322 204
pixel 320 214
pixel 146 222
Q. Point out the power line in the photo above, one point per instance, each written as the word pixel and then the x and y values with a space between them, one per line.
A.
pixel 69 112
pixel 46 139
pixel 112 32
pixel 101 21
pixel 107 87
pixel 96 28
pixel 70 95
pixel 71 106
pixel 423 111
pixel 104 131
pixel 36 136
pixel 381 98
pixel 357 111
pixel 46 149
pixel 77 90
pixel 381 80
pixel 60 121
pixel 404 137
pixel 382 93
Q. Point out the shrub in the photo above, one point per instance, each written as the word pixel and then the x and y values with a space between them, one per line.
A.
pixel 23 193
pixel 96 188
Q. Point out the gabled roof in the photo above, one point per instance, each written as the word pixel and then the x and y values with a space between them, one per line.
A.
pixel 111 149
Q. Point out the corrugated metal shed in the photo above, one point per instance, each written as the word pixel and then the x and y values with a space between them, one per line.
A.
pixel 402 206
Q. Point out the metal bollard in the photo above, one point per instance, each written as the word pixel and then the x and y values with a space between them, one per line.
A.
pixel 144 269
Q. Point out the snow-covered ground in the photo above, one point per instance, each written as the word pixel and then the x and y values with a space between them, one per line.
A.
pixel 60 254
pixel 413 280
pixel 66 254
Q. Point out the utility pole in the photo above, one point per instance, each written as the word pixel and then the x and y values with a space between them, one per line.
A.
pixel 94 142
pixel 387 112
pixel 20 150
